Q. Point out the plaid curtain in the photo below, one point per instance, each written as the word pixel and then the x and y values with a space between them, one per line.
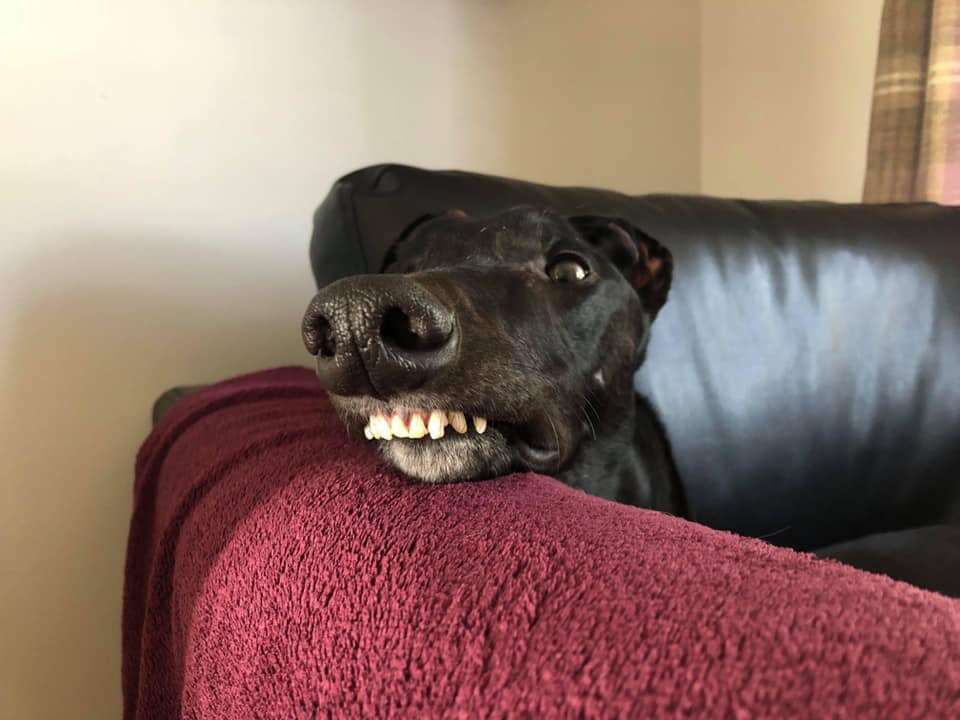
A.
pixel 914 147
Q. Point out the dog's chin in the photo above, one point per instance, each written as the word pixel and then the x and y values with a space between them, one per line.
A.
pixel 452 458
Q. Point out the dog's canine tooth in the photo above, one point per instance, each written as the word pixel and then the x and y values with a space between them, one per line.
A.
pixel 436 423
pixel 458 421
pixel 480 423
pixel 367 432
pixel 398 427
pixel 417 428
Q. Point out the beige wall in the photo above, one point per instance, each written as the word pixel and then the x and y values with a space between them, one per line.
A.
pixel 786 88
pixel 159 164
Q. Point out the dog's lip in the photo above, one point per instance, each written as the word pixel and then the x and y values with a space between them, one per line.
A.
pixel 538 445
pixel 538 459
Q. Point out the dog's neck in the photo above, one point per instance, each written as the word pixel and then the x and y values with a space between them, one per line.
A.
pixel 629 460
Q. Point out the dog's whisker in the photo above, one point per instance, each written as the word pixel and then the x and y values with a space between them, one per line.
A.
pixel 559 446
pixel 595 419
pixel 775 532
pixel 589 421
pixel 540 227
pixel 593 409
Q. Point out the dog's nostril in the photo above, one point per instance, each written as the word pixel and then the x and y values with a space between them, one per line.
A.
pixel 395 329
pixel 326 341
pixel 424 329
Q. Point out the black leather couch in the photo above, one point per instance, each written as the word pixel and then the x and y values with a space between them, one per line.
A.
pixel 806 365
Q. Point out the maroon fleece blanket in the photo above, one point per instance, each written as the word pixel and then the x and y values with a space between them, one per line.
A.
pixel 276 569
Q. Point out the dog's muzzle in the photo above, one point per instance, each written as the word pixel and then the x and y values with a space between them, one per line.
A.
pixel 378 335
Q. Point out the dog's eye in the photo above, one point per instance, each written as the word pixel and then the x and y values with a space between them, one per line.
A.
pixel 567 268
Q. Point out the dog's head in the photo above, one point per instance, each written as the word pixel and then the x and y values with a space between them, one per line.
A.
pixel 490 343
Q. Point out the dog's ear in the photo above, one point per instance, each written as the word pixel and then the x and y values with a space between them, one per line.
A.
pixel 647 265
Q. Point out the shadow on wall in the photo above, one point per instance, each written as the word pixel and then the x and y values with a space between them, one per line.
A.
pixel 89 355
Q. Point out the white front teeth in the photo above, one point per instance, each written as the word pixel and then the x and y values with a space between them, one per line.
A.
pixel 436 424
pixel 380 427
pixel 419 424
pixel 398 427
pixel 458 422
pixel 417 428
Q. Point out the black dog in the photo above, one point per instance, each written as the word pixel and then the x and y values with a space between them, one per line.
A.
pixel 508 342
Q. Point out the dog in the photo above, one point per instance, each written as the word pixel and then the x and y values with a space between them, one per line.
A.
pixel 509 342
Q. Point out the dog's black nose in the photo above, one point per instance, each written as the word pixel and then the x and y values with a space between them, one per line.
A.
pixel 378 334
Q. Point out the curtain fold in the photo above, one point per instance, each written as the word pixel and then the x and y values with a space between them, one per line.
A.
pixel 914 146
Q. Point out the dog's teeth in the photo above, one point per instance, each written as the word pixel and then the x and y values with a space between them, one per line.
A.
pixel 383 427
pixel 458 421
pixel 417 428
pixel 420 424
pixel 436 423
pixel 398 427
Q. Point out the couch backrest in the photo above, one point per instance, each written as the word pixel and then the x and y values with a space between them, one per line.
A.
pixel 806 365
